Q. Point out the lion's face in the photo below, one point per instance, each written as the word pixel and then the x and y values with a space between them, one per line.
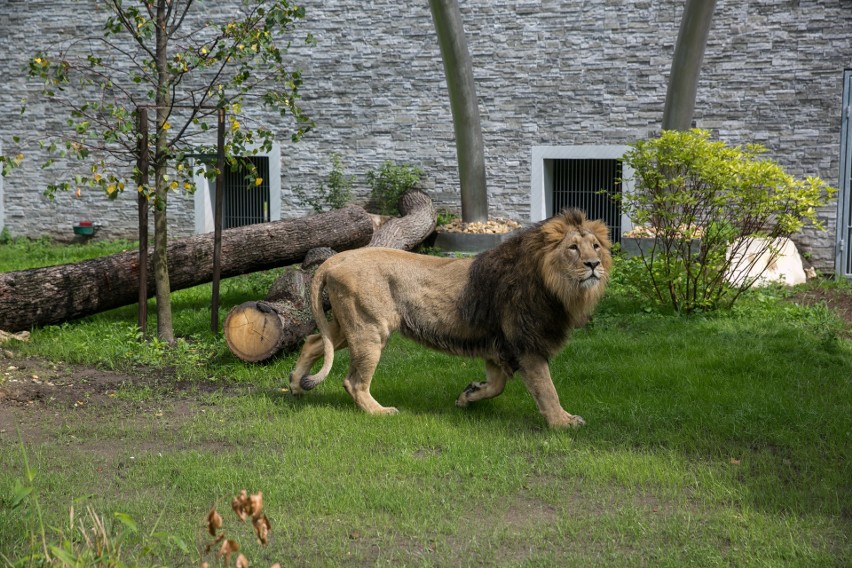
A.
pixel 582 252
pixel 579 255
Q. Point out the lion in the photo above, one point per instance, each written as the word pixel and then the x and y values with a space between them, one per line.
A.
pixel 514 306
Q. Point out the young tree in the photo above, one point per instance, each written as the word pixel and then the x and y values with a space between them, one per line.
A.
pixel 185 60
pixel 686 64
pixel 458 70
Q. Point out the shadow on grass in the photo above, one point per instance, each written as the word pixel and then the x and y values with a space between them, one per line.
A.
pixel 766 408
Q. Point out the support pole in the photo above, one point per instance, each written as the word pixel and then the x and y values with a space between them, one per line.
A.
pixel 217 222
pixel 142 200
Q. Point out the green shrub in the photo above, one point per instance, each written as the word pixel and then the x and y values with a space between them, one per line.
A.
pixel 335 193
pixel 389 183
pixel 688 187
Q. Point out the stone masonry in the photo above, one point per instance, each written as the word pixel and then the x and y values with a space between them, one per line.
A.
pixel 547 73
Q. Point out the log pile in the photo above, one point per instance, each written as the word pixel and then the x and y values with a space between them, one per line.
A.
pixel 258 330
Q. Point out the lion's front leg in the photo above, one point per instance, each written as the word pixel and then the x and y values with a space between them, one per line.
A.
pixel 495 382
pixel 536 374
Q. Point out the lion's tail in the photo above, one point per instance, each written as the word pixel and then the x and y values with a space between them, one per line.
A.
pixel 308 382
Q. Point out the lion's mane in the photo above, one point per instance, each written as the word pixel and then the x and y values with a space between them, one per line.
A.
pixel 511 293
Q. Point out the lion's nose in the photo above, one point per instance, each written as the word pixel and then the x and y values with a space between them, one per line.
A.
pixel 592 264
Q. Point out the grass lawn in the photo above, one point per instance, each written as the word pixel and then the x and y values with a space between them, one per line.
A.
pixel 712 440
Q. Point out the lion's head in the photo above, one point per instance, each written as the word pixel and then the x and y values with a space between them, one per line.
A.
pixel 575 253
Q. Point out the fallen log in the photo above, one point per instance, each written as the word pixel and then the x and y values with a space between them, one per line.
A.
pixel 43 296
pixel 258 330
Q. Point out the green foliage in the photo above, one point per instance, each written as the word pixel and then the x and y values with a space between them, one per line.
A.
pixel 389 182
pixel 214 66
pixel 689 188
pixel 334 193
pixel 445 218
pixel 87 540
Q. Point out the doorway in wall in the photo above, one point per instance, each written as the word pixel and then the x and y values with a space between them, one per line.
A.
pixel 844 199
pixel 586 177
pixel 245 202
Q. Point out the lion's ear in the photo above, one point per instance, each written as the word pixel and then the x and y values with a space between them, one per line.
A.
pixel 601 233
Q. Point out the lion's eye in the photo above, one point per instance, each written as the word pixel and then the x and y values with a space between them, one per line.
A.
pixel 574 247
pixel 597 246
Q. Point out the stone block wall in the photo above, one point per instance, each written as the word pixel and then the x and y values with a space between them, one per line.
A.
pixel 547 73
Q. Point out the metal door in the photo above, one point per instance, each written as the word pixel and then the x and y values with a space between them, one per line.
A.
pixel 844 199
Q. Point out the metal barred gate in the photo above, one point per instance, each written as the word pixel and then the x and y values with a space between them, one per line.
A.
pixel 844 199
pixel 590 184
pixel 245 202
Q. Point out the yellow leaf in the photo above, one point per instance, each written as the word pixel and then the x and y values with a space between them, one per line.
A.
pixel 187 185
pixel 173 185
pixel 258 181
pixel 111 188
pixel 203 51
pixel 166 126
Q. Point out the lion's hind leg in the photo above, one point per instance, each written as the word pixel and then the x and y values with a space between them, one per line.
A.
pixel 312 351
pixel 363 360
pixel 493 385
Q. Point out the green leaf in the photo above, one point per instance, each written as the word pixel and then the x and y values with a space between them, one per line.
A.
pixel 19 493
pixel 127 521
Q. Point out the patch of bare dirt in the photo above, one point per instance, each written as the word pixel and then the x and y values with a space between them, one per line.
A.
pixel 837 300
pixel 35 394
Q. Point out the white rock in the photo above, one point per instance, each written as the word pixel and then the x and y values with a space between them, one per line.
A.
pixel 779 262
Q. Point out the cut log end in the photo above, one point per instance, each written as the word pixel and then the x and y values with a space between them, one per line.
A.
pixel 253 334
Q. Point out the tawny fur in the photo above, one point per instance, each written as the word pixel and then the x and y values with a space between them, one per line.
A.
pixel 514 306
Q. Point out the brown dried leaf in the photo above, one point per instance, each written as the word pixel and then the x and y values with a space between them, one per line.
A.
pixel 276 565
pixel 242 562
pixel 214 521
pixel 228 548
pixel 204 565
pixel 262 528
pixel 256 504
pixel 242 505
pixel 212 544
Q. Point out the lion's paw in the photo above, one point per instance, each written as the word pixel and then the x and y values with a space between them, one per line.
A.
pixel 464 398
pixel 295 388
pixel 568 421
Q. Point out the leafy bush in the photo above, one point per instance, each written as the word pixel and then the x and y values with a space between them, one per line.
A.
pixel 687 187
pixel 389 183
pixel 335 193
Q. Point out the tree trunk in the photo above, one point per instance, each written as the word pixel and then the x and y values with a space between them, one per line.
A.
pixel 165 329
pixel 406 232
pixel 257 331
pixel 686 64
pixel 458 70
pixel 42 296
